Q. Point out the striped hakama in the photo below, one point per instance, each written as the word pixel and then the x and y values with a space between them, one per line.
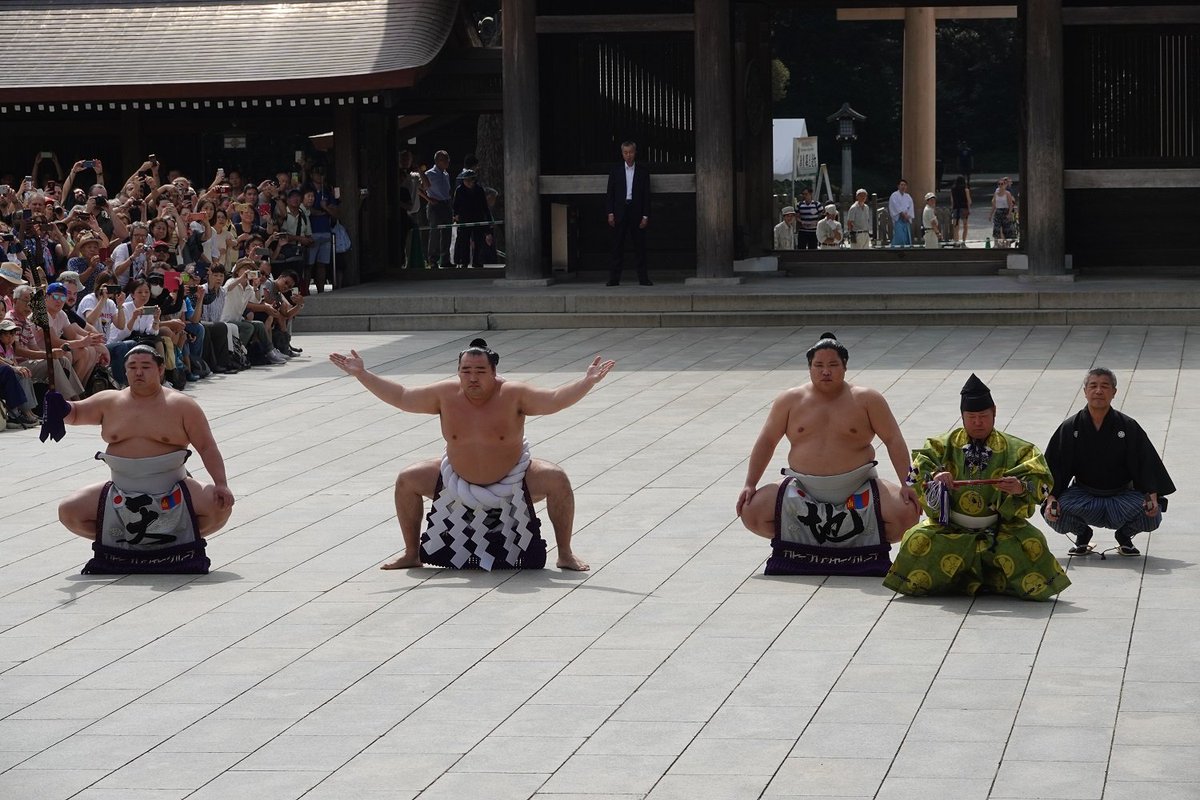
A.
pixel 1080 508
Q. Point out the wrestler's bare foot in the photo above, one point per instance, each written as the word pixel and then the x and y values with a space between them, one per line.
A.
pixel 572 562
pixel 404 562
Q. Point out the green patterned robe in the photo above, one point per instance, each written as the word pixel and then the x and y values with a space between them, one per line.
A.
pixel 1009 557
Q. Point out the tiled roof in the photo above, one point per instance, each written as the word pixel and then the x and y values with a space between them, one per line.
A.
pixel 139 49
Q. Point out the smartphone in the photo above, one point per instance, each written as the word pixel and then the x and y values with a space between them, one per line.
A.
pixel 113 288
pixel 295 292
pixel 153 159
pixel 27 214
pixel 253 273
pixel 171 280
pixel 299 156
pixel 47 154
pixel 147 311
pixel 89 164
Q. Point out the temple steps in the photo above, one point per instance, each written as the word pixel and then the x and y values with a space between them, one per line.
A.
pixel 766 301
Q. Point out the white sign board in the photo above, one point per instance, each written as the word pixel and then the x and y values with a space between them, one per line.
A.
pixel 804 158
pixel 783 131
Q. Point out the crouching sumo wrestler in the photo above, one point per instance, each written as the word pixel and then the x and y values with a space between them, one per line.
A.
pixel 151 517
pixel 831 514
pixel 484 488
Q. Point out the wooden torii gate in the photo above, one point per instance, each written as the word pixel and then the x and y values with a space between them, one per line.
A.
pixel 919 101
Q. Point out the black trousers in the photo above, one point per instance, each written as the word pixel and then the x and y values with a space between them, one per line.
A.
pixel 463 250
pixel 806 240
pixel 216 344
pixel 628 225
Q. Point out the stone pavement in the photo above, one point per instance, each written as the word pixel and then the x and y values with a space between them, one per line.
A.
pixel 674 669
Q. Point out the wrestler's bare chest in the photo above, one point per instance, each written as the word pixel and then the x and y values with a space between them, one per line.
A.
pixel 837 422
pixel 137 428
pixel 496 423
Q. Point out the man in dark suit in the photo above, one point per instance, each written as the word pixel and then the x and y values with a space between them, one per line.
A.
pixel 628 207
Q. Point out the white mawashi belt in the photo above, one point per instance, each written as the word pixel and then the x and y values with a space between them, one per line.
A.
pixel 493 495
pixel 973 523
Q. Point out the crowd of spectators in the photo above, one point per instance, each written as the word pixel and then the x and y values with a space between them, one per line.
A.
pixel 211 277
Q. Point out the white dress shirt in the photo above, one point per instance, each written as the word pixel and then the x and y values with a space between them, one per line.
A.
pixel 629 181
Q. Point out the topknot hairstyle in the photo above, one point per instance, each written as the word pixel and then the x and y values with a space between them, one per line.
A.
pixel 829 341
pixel 479 347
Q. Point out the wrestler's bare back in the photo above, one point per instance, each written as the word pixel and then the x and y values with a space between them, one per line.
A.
pixel 829 433
pixel 483 439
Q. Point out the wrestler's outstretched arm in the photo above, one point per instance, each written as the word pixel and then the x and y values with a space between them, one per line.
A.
pixel 89 411
pixel 539 402
pixel 764 447
pixel 415 400
pixel 888 430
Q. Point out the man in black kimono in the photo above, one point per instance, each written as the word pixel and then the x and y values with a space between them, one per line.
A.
pixel 1106 472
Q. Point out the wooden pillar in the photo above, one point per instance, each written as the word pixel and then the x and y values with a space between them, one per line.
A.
pixel 1042 206
pixel 752 109
pixel 345 163
pixel 522 143
pixel 376 255
pixel 714 143
pixel 919 112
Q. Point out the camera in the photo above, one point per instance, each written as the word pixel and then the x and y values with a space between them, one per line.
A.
pixel 8 237
pixel 100 201
pixel 252 273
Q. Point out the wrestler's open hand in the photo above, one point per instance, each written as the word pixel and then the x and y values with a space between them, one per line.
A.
pixel 744 497
pixel 351 364
pixel 596 370
pixel 223 497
